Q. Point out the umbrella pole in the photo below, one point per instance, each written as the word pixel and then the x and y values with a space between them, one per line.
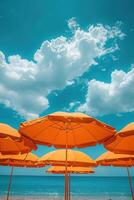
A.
pixel 130 183
pixel 67 186
pixel 69 194
pixel 10 182
pixel 66 179
pixel 66 174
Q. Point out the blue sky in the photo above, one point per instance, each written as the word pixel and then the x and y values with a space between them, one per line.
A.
pixel 67 56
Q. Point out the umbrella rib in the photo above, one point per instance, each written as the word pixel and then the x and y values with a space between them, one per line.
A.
pixel 75 157
pixel 56 134
pixel 17 146
pixel 15 143
pixel 84 129
pixel 74 139
pixel 26 156
pixel 57 124
pixel 117 144
pixel 0 146
pixel 75 143
pixel 45 128
pixel 90 134
pixel 31 124
pixel 76 126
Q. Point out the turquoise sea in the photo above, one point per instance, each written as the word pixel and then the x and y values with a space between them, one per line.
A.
pixel 82 187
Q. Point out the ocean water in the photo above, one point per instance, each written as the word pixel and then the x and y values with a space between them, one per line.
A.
pixel 82 187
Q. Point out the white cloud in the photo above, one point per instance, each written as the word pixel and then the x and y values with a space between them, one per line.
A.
pixel 72 106
pixel 110 98
pixel 72 24
pixel 103 69
pixel 25 85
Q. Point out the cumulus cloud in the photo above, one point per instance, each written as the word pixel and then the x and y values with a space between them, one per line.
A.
pixel 25 85
pixel 73 106
pixel 72 24
pixel 110 98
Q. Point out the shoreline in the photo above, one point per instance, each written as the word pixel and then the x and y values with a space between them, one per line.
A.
pixel 26 197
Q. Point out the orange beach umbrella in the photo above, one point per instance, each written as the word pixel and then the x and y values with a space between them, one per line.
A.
pixel 72 170
pixel 110 157
pixel 11 146
pixel 118 163
pixel 21 160
pixel 67 130
pixel 62 129
pixel 123 141
pixel 27 164
pixel 11 142
pixel 127 130
pixel 8 131
pixel 118 160
pixel 75 158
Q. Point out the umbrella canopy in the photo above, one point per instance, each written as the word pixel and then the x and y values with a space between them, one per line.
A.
pixel 72 129
pixel 72 170
pixel 112 159
pixel 127 130
pixel 27 164
pixel 75 158
pixel 11 146
pixel 123 141
pixel 66 130
pixel 8 131
pixel 118 163
pixel 118 160
pixel 21 160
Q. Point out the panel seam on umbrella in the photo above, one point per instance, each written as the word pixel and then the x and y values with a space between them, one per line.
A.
pixel 43 129
pixel 91 135
pixel 74 139
pixel 116 143
pixel 56 135
pixel 20 148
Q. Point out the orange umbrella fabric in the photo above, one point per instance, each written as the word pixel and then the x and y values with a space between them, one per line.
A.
pixel 28 164
pixel 20 157
pixel 127 130
pixel 75 158
pixel 118 160
pixel 112 159
pixel 72 170
pixel 67 130
pixel 72 129
pixel 117 163
pixel 123 141
pixel 10 146
pixel 6 130
pixel 19 160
